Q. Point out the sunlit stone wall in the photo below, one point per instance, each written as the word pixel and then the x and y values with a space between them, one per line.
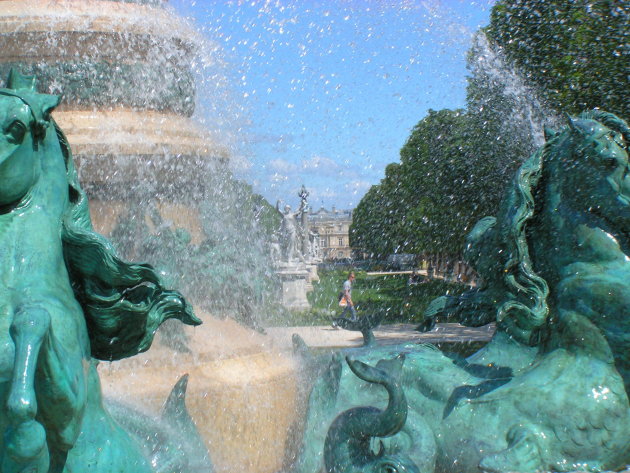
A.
pixel 129 94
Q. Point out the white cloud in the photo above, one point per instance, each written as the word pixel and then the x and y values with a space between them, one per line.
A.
pixel 319 163
pixel 283 166
pixel 357 187
pixel 306 169
pixel 329 181
pixel 279 178
pixel 327 193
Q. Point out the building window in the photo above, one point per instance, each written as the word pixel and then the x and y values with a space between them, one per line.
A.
pixel 322 242
pixel 340 241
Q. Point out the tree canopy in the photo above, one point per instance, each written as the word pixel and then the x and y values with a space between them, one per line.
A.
pixel 575 51
pixel 455 164
pixel 405 213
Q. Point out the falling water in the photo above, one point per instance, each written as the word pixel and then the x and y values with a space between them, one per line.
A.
pixel 156 161
pixel 525 114
pixel 156 169
pixel 158 174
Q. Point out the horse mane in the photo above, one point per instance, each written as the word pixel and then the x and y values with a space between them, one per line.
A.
pixel 124 303
pixel 524 309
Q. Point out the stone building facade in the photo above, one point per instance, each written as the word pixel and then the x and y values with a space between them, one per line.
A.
pixel 332 230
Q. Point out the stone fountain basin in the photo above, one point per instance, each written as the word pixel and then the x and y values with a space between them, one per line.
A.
pixel 242 392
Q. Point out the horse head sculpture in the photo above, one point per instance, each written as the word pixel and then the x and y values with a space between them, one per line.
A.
pixel 24 120
pixel 65 297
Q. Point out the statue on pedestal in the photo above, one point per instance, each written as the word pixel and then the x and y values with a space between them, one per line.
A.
pixel 289 235
pixel 294 235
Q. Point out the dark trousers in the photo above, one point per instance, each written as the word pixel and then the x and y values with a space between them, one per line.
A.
pixel 352 310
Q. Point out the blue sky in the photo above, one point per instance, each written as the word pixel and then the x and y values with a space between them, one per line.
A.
pixel 325 93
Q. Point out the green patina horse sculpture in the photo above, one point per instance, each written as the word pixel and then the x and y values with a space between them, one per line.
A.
pixel 550 391
pixel 65 298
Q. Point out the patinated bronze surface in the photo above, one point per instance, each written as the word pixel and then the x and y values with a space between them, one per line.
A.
pixel 550 391
pixel 347 448
pixel 65 300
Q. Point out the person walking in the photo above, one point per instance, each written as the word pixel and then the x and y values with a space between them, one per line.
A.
pixel 347 298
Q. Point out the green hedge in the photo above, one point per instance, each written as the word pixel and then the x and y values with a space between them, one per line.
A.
pixel 390 295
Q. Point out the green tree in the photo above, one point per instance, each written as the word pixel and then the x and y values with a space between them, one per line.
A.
pixel 376 222
pixel 575 51
pixel 455 165
pixel 446 182
pixel 428 202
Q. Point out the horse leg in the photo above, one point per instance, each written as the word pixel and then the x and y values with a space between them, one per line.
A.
pixel 25 439
pixel 62 396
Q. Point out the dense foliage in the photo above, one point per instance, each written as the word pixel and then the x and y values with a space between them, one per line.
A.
pixel 405 214
pixel 376 221
pixel 455 165
pixel 575 51
pixel 389 295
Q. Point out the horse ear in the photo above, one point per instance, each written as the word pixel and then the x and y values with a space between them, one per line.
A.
pixel 571 123
pixel 48 104
pixel 549 133
pixel 41 106
pixel 19 81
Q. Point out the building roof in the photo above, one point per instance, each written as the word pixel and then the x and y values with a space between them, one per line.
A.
pixel 334 215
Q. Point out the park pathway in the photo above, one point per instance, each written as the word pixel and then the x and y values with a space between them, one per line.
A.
pixel 328 337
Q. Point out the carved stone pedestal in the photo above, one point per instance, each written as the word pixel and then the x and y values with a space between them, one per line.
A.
pixel 312 276
pixel 294 280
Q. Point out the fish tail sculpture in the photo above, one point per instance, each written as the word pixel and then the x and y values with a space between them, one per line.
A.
pixel 176 416
pixel 172 443
pixel 347 446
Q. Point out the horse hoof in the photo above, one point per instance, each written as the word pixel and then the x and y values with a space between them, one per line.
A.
pixel 522 454
pixel 26 449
